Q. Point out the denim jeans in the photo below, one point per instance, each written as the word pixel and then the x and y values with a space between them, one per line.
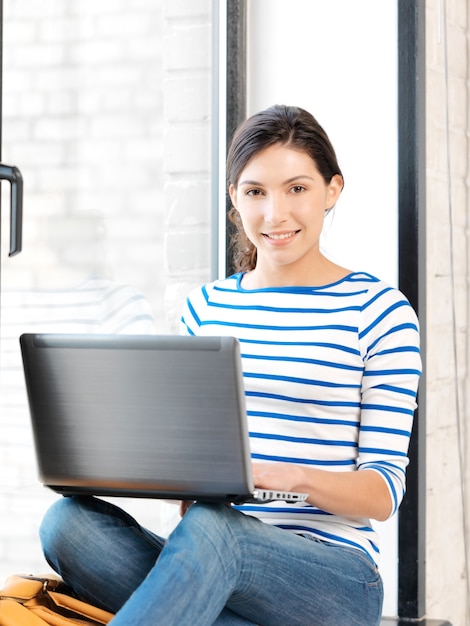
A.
pixel 218 566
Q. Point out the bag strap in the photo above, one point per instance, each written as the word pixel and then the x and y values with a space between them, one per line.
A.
pixel 23 588
pixel 69 606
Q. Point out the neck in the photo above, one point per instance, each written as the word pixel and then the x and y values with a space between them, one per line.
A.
pixel 324 273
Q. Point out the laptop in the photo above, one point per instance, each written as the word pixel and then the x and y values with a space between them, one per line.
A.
pixel 158 416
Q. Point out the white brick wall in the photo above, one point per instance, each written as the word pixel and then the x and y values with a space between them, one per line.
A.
pixel 187 156
pixel 448 435
pixel 107 111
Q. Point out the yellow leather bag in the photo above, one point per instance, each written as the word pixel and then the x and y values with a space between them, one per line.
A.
pixel 45 600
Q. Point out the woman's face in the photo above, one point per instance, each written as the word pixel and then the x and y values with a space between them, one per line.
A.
pixel 282 199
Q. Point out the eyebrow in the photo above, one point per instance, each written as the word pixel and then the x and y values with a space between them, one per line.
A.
pixel 286 182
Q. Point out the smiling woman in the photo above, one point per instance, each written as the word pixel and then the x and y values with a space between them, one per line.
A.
pixel 283 218
pixel 282 184
pixel 331 363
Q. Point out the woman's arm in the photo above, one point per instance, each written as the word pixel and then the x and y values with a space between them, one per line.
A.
pixel 361 493
pixel 375 487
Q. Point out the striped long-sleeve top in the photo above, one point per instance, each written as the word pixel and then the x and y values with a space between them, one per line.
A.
pixel 330 375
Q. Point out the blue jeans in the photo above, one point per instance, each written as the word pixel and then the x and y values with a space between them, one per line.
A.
pixel 218 566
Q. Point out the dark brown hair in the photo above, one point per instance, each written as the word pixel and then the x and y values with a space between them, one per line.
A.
pixel 280 124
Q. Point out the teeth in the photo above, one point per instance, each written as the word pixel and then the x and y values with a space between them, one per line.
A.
pixel 282 236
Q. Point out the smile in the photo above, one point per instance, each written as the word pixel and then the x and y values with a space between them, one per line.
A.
pixel 281 235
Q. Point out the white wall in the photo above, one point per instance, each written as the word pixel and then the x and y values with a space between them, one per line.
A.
pixel 107 112
pixel 448 310
pixel 338 59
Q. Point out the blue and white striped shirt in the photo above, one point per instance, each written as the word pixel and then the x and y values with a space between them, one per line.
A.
pixel 331 375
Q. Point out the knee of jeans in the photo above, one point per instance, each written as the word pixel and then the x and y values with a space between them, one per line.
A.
pixel 60 520
pixel 206 510
pixel 219 518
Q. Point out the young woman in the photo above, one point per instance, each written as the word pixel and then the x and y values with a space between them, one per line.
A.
pixel 331 366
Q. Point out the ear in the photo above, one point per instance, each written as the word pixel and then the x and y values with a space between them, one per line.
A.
pixel 334 190
pixel 232 190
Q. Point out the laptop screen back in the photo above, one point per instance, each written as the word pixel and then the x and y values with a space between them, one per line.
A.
pixel 154 416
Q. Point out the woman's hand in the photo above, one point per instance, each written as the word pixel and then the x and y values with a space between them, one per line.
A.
pixel 278 476
pixel 353 494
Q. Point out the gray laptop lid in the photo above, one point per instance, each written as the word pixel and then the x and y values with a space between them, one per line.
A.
pixel 152 416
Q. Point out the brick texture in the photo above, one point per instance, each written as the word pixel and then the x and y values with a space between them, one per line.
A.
pixel 107 112
pixel 447 279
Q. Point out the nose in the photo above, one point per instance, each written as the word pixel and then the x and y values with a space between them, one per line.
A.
pixel 275 210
